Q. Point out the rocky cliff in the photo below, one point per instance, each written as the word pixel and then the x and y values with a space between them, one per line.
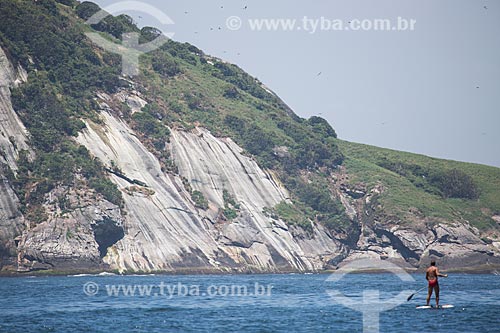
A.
pixel 13 138
pixel 68 238
pixel 195 166
pixel 164 228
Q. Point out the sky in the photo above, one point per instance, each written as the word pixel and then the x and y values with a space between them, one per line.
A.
pixel 433 90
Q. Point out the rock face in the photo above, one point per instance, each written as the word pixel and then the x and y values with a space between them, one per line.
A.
pixel 13 138
pixel 71 237
pixel 164 229
pixel 454 245
pixel 13 134
pixel 213 165
pixel 11 222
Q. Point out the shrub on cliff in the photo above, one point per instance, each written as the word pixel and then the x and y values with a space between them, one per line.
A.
pixel 456 184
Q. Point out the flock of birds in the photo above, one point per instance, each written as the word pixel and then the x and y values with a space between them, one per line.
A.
pixel 244 8
pixel 212 28
pixel 220 28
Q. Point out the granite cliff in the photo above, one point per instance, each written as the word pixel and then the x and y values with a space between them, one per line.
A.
pixel 203 169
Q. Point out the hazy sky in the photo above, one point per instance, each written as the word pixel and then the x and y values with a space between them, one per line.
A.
pixel 434 90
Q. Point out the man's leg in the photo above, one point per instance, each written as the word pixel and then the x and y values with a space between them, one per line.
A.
pixel 436 289
pixel 429 294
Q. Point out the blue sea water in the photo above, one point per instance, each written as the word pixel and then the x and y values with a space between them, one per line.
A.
pixel 218 303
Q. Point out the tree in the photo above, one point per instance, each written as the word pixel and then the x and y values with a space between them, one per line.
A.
pixel 86 9
pixel 321 126
pixel 149 34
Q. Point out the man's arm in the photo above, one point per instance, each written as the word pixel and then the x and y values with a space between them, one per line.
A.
pixel 439 274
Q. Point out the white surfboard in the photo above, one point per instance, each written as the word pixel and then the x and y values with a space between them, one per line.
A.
pixel 444 306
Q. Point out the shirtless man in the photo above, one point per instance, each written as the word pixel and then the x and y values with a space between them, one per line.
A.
pixel 431 275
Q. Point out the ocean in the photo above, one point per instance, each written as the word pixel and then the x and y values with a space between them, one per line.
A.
pixel 245 303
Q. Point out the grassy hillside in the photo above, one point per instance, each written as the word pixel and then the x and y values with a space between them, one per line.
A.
pixel 408 178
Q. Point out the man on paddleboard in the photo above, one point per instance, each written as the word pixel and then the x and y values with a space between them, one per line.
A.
pixel 431 275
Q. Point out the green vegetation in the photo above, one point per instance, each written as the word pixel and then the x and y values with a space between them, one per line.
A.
pixel 152 128
pixel 231 92
pixel 113 25
pixel 65 71
pixel 165 65
pixel 314 198
pixel 313 201
pixel 449 190
pixel 199 200
pixel 229 200
pixel 231 207
pixel 233 74
pixel 291 214
pixel 107 189
pixel 230 213
pixel 451 183
pixel 86 9
pixel 38 177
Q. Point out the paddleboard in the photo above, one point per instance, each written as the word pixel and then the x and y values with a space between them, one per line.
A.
pixel 444 306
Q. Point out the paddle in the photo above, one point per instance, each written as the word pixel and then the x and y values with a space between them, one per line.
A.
pixel 411 296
